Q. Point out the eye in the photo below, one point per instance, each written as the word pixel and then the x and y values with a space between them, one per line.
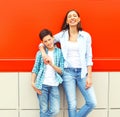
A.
pixel 75 15
pixel 69 16
pixel 45 41
pixel 49 39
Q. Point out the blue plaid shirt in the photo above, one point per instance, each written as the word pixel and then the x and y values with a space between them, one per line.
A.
pixel 39 67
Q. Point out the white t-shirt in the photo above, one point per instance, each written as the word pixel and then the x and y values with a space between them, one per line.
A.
pixel 50 73
pixel 73 55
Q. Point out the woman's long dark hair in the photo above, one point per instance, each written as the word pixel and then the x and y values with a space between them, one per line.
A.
pixel 66 26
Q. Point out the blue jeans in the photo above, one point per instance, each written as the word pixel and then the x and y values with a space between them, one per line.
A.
pixel 49 101
pixel 71 79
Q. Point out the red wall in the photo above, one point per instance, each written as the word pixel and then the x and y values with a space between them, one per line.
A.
pixel 21 21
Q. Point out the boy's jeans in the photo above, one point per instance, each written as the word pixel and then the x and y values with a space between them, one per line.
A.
pixel 49 101
pixel 71 79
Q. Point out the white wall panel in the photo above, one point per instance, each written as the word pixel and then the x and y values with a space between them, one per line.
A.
pixel 8 113
pixel 29 113
pixel 98 113
pixel 28 97
pixel 8 90
pixel 100 83
pixel 114 113
pixel 114 96
pixel 18 99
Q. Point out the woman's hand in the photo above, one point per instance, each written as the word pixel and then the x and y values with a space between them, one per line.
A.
pixel 46 58
pixel 49 61
pixel 89 77
pixel 88 82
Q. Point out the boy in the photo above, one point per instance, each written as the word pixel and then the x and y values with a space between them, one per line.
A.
pixel 47 77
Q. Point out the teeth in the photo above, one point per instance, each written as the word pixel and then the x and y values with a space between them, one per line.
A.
pixel 72 21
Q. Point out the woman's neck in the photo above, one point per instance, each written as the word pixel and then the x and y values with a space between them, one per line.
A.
pixel 73 34
pixel 73 30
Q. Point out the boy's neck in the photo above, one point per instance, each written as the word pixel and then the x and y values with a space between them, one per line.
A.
pixel 50 49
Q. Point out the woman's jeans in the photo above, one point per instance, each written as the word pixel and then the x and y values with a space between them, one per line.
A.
pixel 49 101
pixel 71 79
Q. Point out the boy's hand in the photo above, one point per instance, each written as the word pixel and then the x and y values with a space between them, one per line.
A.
pixel 36 90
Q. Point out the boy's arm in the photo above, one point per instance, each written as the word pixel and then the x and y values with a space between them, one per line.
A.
pixel 37 63
pixel 35 71
pixel 56 68
pixel 33 83
pixel 42 47
pixel 47 59
pixel 33 79
pixel 60 66
pixel 62 62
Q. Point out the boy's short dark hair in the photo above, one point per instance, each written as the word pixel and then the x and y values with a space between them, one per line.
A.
pixel 44 33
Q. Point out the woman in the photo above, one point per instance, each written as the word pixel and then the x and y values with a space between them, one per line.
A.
pixel 77 52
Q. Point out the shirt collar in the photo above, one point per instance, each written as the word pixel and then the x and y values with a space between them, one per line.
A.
pixel 81 33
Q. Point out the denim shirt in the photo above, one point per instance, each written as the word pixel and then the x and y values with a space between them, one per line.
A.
pixel 39 67
pixel 85 49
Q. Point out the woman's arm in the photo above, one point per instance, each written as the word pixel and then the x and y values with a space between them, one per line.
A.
pixel 42 47
pixel 89 50
pixel 89 77
pixel 89 62
pixel 44 55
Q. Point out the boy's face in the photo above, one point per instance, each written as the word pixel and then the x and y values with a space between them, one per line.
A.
pixel 48 42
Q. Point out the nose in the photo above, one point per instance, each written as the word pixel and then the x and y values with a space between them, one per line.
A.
pixel 48 42
pixel 72 17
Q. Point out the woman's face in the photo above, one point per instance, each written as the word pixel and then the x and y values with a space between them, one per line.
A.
pixel 72 18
